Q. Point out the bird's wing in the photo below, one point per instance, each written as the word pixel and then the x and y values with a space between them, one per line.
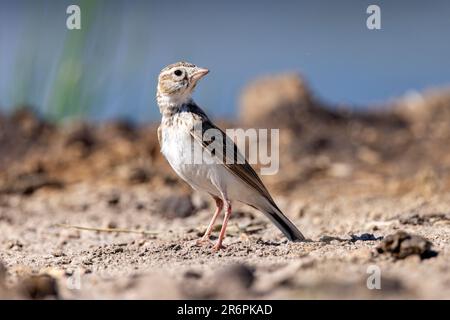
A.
pixel 239 165
pixel 242 170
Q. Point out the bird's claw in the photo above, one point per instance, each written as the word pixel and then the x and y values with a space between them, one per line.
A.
pixel 202 242
pixel 218 246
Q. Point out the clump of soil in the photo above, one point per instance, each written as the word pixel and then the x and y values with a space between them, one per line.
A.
pixel 402 244
pixel 321 140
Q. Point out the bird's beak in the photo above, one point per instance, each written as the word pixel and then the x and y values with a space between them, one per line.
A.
pixel 199 73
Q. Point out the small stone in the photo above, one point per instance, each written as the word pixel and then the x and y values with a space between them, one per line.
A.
pixel 364 237
pixel 15 245
pixel 140 206
pixel 112 225
pixel 190 274
pixel 113 200
pixel 118 250
pixel 58 253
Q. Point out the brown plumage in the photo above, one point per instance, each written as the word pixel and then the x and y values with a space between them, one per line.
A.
pixel 183 127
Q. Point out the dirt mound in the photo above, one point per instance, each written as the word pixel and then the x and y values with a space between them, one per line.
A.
pixel 330 141
pixel 267 96
pixel 40 155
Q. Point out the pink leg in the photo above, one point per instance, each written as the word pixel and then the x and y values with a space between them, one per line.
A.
pixel 219 206
pixel 218 244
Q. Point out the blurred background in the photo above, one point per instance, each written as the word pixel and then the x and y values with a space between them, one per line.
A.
pixel 108 69
pixel 364 119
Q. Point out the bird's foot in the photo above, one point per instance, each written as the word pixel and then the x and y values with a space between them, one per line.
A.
pixel 203 241
pixel 218 246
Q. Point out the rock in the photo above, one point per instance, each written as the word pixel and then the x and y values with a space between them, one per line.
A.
pixel 365 237
pixel 191 274
pixel 58 253
pixel 14 245
pixel 113 200
pixel 329 239
pixel 402 244
pixel 111 225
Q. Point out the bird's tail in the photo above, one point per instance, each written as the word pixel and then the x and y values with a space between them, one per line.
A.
pixel 282 222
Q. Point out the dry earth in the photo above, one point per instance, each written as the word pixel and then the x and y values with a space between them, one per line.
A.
pixel 348 180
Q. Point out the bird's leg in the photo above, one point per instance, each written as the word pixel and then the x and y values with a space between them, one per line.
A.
pixel 218 244
pixel 219 207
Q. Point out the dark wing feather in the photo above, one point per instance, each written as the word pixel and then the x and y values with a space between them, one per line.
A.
pixel 239 166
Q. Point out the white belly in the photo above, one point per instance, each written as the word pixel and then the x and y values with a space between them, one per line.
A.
pixel 179 149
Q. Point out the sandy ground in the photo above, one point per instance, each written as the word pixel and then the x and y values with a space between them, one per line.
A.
pixel 256 264
pixel 349 196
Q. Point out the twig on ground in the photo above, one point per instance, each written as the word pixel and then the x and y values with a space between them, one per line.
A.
pixel 144 232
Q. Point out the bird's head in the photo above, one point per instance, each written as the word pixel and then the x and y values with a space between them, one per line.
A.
pixel 177 81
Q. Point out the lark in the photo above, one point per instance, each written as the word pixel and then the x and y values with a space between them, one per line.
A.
pixel 181 133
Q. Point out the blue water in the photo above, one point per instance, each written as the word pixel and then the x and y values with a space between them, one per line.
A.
pixel 128 42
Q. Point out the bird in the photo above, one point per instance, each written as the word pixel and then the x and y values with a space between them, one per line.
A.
pixel 183 124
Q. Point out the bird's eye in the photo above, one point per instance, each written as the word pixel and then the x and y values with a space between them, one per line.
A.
pixel 178 72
